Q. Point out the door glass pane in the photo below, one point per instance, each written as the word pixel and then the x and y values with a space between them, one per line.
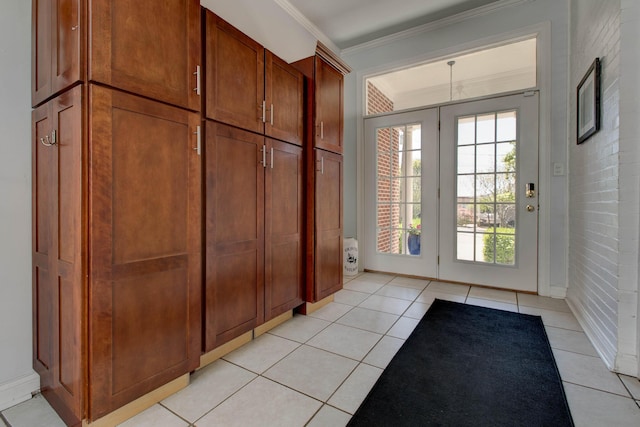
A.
pixel 399 189
pixel 486 188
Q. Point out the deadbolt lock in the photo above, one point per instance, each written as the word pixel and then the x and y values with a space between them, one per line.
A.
pixel 530 190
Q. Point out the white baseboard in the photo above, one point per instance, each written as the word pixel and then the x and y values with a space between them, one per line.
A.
pixel 557 291
pixel 18 390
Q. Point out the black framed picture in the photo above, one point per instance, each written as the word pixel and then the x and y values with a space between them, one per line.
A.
pixel 588 113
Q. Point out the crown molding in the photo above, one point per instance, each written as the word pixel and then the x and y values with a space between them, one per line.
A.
pixel 431 26
pixel 307 25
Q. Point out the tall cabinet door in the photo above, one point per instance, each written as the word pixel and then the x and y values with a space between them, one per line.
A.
pixel 284 94
pixel 234 277
pixel 160 60
pixel 145 246
pixel 329 106
pixel 58 286
pixel 328 223
pixel 284 228
pixel 235 76
pixel 56 47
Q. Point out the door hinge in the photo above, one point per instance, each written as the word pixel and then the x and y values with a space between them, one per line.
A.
pixel 438 260
pixel 438 124
pixel 438 193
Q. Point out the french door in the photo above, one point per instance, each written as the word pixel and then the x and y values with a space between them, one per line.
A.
pixel 467 193
pixel 488 187
pixel 401 192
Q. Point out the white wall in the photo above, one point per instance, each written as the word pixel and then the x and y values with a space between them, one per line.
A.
pixel 604 183
pixel 17 379
pixel 445 40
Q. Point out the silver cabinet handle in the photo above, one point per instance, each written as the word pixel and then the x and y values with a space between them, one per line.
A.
pixel 322 165
pixel 271 157
pixel 197 74
pixel 321 130
pixel 264 156
pixel 264 111
pixel 271 114
pixel 198 135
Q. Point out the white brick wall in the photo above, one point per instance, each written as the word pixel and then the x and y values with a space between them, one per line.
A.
pixel 603 191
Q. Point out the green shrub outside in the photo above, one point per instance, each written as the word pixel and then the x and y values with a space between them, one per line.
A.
pixel 505 246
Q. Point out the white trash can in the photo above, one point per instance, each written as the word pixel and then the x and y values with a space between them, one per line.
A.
pixel 350 256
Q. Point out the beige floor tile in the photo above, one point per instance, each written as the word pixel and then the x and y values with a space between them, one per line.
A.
pixel 408 282
pixel 556 319
pixel 329 416
pixel 574 341
pixel 403 328
pixel 427 297
pixel 369 320
pixel 300 328
pixel 492 304
pixel 345 296
pixel 547 303
pixel 262 353
pixel 263 403
pixel 493 294
pixel 314 372
pixel 386 304
pixel 377 277
pixel 209 387
pixel 35 412
pixel 448 288
pixel 346 341
pixel 417 310
pixel 155 416
pixel 383 352
pixel 353 391
pixel 632 384
pixel 331 312
pixel 366 286
pixel 587 371
pixel 398 291
pixel 595 408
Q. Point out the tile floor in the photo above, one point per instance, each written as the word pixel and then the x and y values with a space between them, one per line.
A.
pixel 315 370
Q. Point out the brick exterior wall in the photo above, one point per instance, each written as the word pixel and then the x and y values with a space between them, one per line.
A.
pixel 387 140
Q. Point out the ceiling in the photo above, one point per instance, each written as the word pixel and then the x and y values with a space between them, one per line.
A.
pixel 351 22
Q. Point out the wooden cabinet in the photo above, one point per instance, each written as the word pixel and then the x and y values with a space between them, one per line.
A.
pixel 234 235
pixel 58 253
pixel 324 177
pixel 158 58
pixel 56 47
pixel 249 87
pixel 145 246
pixel 284 228
pixel 325 99
pixel 326 205
pixel 116 249
pixel 254 231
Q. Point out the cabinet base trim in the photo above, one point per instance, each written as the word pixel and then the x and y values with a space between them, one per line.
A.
pixel 310 307
pixel 226 348
pixel 276 321
pixel 134 408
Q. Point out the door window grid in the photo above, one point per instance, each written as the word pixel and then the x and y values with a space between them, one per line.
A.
pixel 398 188
pixel 486 182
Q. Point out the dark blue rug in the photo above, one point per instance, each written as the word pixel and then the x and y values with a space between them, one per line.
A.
pixel 469 366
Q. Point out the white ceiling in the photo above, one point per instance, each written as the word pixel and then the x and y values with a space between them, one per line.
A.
pixel 351 22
